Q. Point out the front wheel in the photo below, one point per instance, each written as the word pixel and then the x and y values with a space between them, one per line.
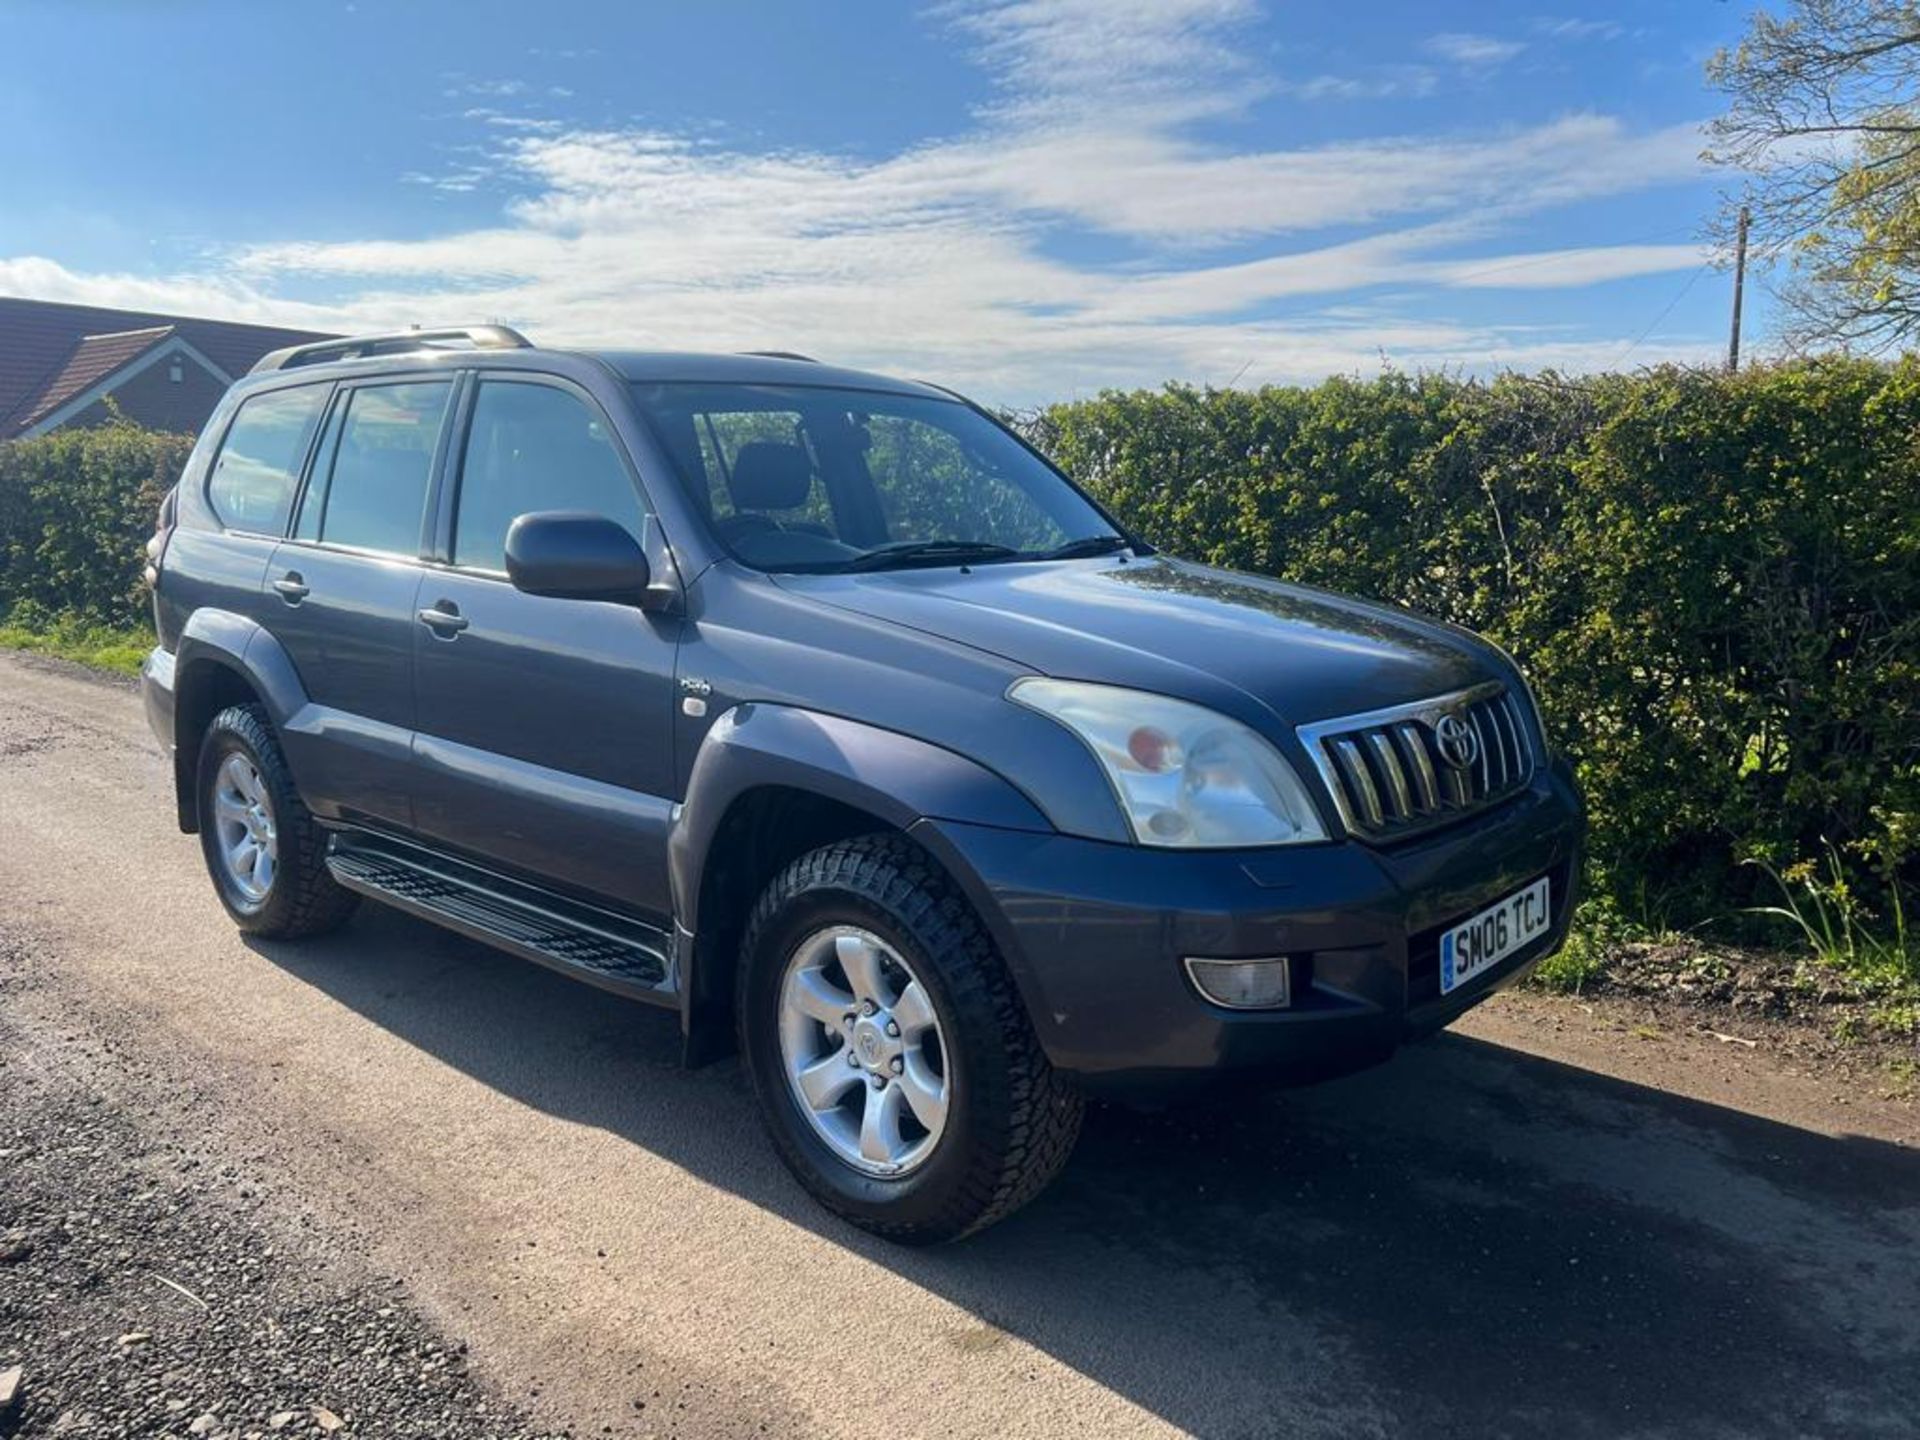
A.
pixel 890 1052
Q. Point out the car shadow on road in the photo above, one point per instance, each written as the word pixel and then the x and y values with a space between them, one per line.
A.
pixel 1469 1241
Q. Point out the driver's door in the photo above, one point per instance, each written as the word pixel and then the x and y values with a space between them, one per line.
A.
pixel 544 726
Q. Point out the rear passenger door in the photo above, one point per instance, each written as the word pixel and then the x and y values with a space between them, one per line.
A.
pixel 251 488
pixel 544 726
pixel 341 595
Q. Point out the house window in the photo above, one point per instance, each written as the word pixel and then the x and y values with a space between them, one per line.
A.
pixel 173 370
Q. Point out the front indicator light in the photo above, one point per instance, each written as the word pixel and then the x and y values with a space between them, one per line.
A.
pixel 1243 984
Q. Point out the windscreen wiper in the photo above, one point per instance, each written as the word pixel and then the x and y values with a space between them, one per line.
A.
pixel 1085 546
pixel 932 552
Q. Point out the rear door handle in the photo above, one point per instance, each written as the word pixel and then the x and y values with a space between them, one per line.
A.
pixel 292 588
pixel 444 619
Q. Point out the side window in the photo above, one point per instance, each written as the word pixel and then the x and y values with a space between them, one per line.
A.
pixel 377 488
pixel 306 524
pixel 534 447
pixel 251 487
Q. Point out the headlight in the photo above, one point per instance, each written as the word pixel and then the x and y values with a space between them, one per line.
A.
pixel 1184 775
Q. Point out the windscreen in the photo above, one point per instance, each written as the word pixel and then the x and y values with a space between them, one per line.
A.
pixel 806 478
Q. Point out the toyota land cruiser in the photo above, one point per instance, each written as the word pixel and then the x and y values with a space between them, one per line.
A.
pixel 820 709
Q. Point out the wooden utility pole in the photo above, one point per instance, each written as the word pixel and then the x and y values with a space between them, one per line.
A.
pixel 1739 288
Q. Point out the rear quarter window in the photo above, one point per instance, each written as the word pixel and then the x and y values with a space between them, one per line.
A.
pixel 252 483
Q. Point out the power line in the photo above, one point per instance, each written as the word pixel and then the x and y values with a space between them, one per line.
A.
pixel 1671 305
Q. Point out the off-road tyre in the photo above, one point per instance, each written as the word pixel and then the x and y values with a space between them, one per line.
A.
pixel 304 898
pixel 1012 1121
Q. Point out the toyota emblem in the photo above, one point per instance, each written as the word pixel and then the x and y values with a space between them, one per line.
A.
pixel 1458 741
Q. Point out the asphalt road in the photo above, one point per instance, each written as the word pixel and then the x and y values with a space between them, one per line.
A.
pixel 1539 1224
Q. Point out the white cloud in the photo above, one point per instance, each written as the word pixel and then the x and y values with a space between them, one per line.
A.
pixel 1557 269
pixel 492 89
pixel 937 260
pixel 658 188
pixel 1066 58
pixel 221 296
pixel 504 121
pixel 948 308
pixel 1572 28
pixel 1476 50
pixel 1391 83
pixel 456 181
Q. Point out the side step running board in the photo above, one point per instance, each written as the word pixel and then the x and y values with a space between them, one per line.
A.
pixel 604 949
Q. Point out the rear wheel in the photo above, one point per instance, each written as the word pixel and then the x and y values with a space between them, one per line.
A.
pixel 890 1052
pixel 266 855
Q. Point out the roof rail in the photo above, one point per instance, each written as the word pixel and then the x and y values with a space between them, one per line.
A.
pixel 397 342
pixel 781 355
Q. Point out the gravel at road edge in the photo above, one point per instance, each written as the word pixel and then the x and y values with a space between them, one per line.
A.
pixel 146 1289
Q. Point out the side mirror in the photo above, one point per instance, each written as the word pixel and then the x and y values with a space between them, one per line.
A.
pixel 571 555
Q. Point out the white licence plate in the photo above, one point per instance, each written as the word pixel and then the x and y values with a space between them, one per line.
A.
pixel 1495 933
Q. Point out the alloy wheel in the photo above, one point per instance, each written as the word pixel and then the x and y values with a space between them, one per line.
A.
pixel 243 820
pixel 862 1050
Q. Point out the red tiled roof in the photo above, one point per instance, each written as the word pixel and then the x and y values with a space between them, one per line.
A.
pixel 51 352
pixel 92 360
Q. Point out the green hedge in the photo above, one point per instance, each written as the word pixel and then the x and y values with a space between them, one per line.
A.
pixel 76 509
pixel 1714 581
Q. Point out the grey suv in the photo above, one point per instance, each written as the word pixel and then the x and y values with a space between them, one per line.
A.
pixel 818 708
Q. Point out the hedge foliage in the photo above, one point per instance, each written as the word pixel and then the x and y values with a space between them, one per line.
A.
pixel 1713 581
pixel 76 508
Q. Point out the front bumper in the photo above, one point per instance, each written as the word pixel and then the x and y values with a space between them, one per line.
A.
pixel 1095 934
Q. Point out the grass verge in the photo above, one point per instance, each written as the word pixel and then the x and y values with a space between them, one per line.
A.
pixel 1574 966
pixel 103 647
pixel 1586 957
pixel 1790 984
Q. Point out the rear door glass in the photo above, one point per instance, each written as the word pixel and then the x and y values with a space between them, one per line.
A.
pixel 382 463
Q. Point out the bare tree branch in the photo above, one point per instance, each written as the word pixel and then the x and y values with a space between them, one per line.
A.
pixel 1823 122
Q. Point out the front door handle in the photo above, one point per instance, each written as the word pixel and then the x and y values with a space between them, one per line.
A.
pixel 444 619
pixel 292 588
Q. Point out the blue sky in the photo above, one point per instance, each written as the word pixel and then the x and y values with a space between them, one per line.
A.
pixel 1032 199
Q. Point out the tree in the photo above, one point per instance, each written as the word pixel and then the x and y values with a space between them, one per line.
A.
pixel 1824 119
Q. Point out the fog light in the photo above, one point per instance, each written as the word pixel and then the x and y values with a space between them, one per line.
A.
pixel 1243 984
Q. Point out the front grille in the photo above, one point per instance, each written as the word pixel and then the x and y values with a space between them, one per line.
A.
pixel 1400 771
